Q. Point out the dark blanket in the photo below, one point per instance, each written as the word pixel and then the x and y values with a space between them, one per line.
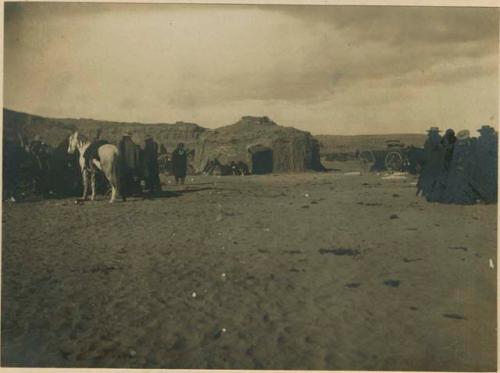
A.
pixel 129 153
pixel 92 152
pixel 150 152
pixel 179 162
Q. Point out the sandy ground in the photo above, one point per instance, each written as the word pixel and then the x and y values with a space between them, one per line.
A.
pixel 303 271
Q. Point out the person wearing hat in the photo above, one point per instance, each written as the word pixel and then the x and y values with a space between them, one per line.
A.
pixel 429 183
pixel 459 185
pixel 463 135
pixel 486 158
pixel 179 163
pixel 130 163
pixel 486 130
pixel 151 167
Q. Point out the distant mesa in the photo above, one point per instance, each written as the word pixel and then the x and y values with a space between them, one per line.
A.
pixel 54 131
pixel 257 141
pixel 251 140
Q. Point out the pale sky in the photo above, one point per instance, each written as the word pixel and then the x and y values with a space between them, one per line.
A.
pixel 324 69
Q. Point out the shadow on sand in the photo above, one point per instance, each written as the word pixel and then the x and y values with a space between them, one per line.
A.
pixel 174 193
pixel 105 196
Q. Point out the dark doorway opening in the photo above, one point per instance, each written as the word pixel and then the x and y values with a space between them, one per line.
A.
pixel 262 161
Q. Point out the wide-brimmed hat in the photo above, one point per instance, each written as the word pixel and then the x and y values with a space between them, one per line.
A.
pixel 434 129
pixel 463 135
pixel 486 129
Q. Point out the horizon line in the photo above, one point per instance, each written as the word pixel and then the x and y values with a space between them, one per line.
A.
pixel 205 128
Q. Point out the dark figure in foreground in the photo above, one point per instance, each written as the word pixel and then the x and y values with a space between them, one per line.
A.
pixel 460 170
pixel 459 182
pixel 448 141
pixel 486 164
pixel 66 173
pixel 179 163
pixel 151 168
pixel 130 159
pixel 430 178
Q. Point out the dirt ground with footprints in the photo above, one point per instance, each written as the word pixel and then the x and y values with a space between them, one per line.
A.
pixel 329 271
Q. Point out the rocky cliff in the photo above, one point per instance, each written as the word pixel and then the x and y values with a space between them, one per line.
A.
pixel 55 131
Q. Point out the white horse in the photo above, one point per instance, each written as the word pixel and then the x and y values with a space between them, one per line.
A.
pixel 109 164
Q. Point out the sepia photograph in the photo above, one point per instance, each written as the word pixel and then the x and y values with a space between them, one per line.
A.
pixel 249 186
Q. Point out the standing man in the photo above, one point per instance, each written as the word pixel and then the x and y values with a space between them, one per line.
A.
pixel 429 180
pixel 179 163
pixel 448 141
pixel 459 183
pixel 151 165
pixel 129 154
pixel 486 164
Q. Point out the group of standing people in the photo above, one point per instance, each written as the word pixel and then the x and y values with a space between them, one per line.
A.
pixel 142 164
pixel 459 168
pixel 36 168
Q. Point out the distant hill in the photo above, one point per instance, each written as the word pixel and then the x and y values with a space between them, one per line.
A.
pixel 54 131
pixel 348 144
